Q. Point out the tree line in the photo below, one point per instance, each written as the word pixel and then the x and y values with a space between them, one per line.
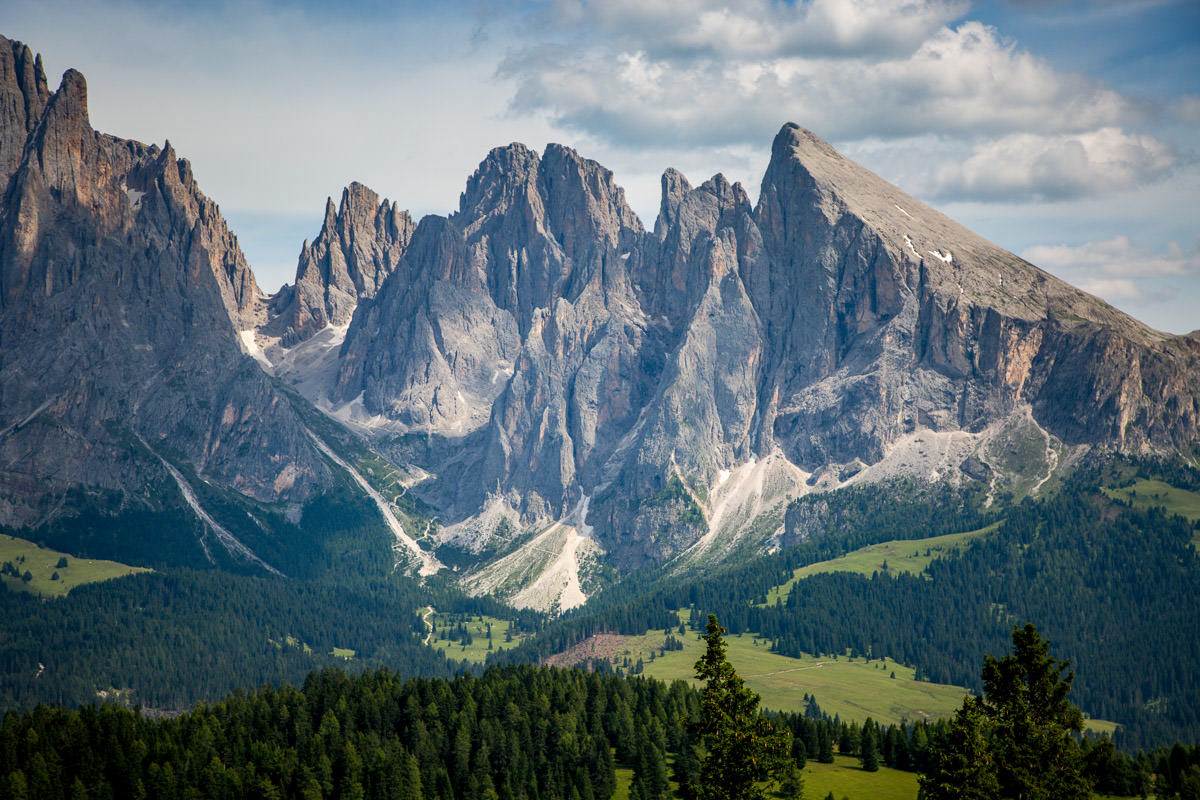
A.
pixel 1117 588
pixel 535 732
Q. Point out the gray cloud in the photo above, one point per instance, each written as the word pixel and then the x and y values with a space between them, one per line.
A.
pixel 964 81
pixel 1117 258
pixel 1059 167
pixel 756 29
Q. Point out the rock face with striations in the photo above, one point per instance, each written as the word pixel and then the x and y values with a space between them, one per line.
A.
pixel 359 245
pixel 121 294
pixel 562 355
pixel 556 361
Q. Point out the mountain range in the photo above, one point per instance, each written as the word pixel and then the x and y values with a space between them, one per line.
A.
pixel 535 388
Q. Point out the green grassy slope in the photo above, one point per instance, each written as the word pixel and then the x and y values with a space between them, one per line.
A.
pixel 853 689
pixel 898 555
pixel 1151 493
pixel 477 651
pixel 846 778
pixel 42 565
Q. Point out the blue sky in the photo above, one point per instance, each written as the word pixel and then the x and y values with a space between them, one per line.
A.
pixel 1067 132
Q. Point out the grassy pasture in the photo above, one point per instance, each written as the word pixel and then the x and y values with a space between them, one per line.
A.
pixel 1149 493
pixel 898 555
pixel 852 689
pixel 846 778
pixel 477 651
pixel 42 564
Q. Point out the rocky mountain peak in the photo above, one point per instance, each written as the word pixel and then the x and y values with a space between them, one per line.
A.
pixel 584 205
pixel 567 355
pixel 23 97
pixel 121 294
pixel 361 241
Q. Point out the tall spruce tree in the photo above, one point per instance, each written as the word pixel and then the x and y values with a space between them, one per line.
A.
pixel 1025 698
pixel 1015 742
pixel 743 750
pixel 868 746
pixel 961 766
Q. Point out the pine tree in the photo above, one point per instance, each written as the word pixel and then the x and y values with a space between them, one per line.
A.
pixel 868 749
pixel 1016 742
pixel 961 765
pixel 743 748
pixel 824 743
pixel 1025 697
pixel 791 782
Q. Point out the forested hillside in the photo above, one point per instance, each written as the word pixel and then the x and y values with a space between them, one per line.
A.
pixel 1113 582
pixel 1116 588
pixel 517 732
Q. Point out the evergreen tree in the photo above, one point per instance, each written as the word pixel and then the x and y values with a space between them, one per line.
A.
pixel 791 782
pixel 961 765
pixel 1025 698
pixel 743 748
pixel 824 743
pixel 868 749
pixel 1016 742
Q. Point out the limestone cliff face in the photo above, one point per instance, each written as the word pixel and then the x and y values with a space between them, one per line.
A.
pixel 121 291
pixel 890 317
pixel 360 243
pixel 561 352
pixel 23 97
pixel 906 319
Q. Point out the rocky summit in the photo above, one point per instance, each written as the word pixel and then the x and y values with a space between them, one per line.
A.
pixel 546 359
pixel 122 295
pixel 560 388
pixel 360 243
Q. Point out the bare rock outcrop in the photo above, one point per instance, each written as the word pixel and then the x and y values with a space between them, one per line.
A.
pixel 121 294
pixel 560 352
pixel 360 243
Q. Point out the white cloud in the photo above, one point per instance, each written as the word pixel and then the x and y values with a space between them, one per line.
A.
pixel 1158 285
pixel 1058 167
pixel 1114 290
pixel 965 80
pixel 1117 256
pixel 757 28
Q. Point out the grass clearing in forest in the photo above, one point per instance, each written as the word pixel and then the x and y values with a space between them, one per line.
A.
pixel 896 556
pixel 624 783
pixel 1145 494
pixel 42 564
pixel 846 778
pixel 447 635
pixel 853 689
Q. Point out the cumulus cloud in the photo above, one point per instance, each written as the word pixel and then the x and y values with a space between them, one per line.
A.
pixel 1118 256
pixel 869 29
pixel 698 88
pixel 1060 167
pixel 1152 284
pixel 1114 290
pixel 698 74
